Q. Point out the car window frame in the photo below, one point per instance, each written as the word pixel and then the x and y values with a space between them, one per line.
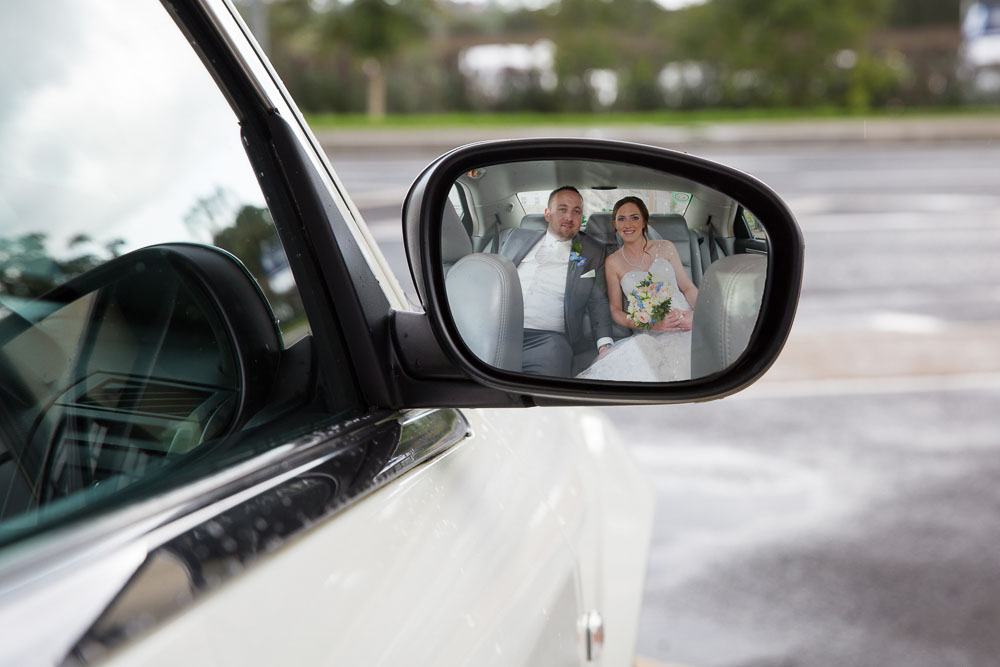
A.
pixel 334 393
pixel 101 554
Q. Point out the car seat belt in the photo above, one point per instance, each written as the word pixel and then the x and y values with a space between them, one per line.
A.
pixel 713 250
pixel 495 245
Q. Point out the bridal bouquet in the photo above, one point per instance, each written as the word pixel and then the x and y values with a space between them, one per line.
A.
pixel 648 302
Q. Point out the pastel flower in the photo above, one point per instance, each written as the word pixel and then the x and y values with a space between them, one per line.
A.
pixel 649 302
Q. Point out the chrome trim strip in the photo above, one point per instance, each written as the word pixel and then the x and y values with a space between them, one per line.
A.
pixel 226 22
pixel 422 440
pixel 79 557
pixel 320 475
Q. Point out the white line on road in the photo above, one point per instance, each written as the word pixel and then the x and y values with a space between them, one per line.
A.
pixel 936 202
pixel 385 231
pixel 384 197
pixel 647 662
pixel 853 223
pixel 859 386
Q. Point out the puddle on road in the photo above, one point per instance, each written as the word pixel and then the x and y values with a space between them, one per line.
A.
pixel 713 504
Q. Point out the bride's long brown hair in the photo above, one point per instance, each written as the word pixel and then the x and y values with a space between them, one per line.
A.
pixel 643 211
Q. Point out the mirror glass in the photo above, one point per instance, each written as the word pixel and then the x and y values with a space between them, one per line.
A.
pixel 601 270
pixel 107 380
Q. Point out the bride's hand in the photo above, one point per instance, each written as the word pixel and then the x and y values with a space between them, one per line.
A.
pixel 676 320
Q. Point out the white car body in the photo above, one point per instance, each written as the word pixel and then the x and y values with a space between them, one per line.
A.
pixel 199 468
pixel 484 556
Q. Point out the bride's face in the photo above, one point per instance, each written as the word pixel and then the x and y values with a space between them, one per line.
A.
pixel 629 223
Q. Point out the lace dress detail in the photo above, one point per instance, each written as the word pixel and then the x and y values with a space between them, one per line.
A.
pixel 653 356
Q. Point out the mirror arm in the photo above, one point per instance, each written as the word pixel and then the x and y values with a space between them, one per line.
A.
pixel 418 350
pixel 424 376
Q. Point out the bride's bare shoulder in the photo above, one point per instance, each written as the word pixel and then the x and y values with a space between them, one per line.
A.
pixel 662 248
pixel 614 260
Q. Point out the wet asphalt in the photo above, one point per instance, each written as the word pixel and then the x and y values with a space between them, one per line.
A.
pixel 845 509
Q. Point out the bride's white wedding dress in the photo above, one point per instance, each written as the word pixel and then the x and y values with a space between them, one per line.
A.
pixel 653 356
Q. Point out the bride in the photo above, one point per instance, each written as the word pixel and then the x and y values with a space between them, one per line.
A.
pixel 660 351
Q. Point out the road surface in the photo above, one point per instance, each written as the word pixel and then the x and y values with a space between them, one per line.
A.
pixel 843 510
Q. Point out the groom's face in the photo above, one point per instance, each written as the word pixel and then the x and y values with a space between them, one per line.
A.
pixel 564 214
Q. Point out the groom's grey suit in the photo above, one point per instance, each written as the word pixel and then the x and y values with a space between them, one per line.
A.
pixel 582 294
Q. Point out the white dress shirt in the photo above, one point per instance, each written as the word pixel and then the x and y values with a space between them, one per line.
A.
pixel 543 285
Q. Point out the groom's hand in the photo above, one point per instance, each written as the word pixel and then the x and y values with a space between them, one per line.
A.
pixel 603 351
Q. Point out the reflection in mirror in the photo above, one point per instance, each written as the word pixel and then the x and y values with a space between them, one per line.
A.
pixel 119 373
pixel 80 189
pixel 601 270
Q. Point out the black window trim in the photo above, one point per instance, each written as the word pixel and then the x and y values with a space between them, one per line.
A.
pixel 284 178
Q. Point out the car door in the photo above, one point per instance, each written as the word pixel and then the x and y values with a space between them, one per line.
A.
pixel 457 563
pixel 199 451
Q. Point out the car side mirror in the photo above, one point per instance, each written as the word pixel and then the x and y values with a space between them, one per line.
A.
pixel 531 256
pixel 141 359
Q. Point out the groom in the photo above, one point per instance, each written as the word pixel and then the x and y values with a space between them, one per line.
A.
pixel 562 275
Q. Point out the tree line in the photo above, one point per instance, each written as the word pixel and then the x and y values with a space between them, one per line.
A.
pixel 405 57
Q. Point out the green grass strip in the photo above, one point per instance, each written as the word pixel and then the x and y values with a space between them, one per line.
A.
pixel 678 118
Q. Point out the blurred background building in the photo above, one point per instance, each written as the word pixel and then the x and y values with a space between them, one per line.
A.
pixel 433 56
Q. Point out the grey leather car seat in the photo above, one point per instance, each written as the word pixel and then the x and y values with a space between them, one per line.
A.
pixel 726 312
pixel 485 297
pixel 599 228
pixel 455 241
pixel 674 228
pixel 534 221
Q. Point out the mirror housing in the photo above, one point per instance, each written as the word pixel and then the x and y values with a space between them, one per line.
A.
pixel 423 211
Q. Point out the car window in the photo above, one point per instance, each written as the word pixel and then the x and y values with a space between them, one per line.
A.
pixel 594 201
pixel 115 139
pixel 751 225
pixel 457 199
pixel 118 372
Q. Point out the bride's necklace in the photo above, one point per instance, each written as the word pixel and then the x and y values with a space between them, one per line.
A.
pixel 642 258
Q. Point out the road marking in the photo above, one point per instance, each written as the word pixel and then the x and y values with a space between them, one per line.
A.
pixel 853 223
pixel 878 204
pixel 375 198
pixel 910 323
pixel 386 231
pixel 861 386
pixel 646 662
